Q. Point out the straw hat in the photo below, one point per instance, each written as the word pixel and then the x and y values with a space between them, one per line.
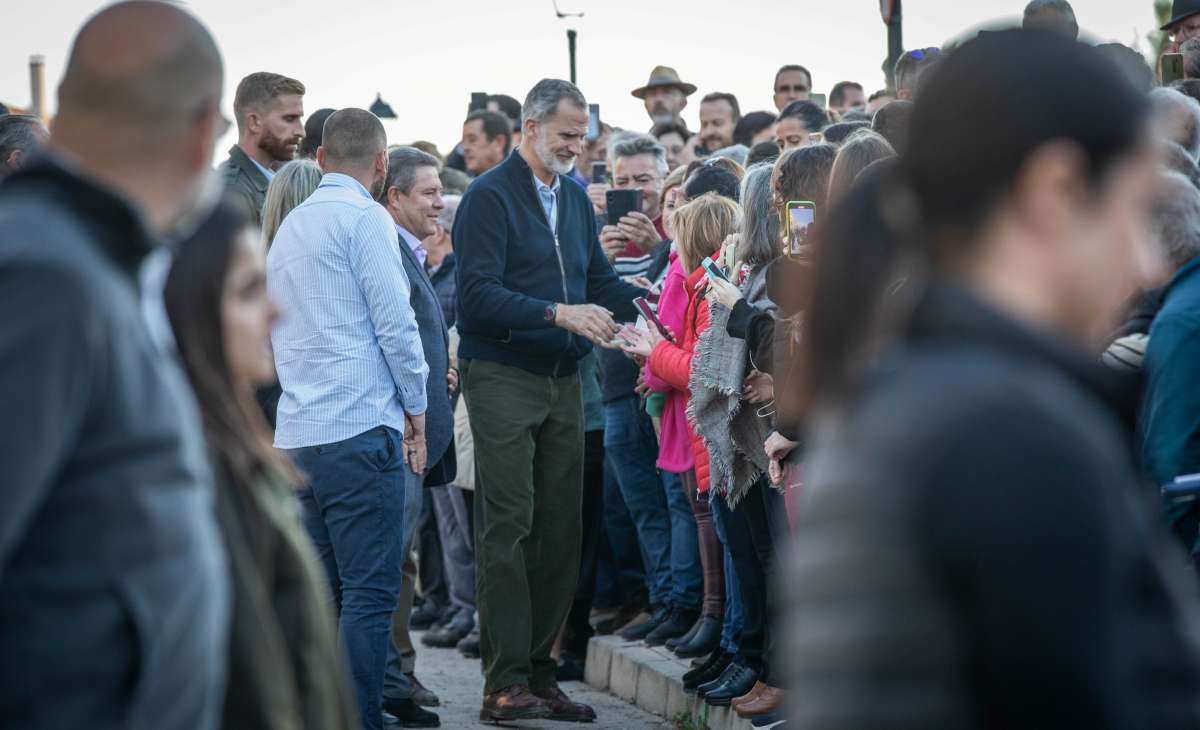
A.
pixel 664 76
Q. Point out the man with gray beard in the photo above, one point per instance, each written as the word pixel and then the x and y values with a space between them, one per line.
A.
pixel 534 291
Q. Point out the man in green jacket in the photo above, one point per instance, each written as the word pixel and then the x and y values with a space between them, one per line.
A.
pixel 269 109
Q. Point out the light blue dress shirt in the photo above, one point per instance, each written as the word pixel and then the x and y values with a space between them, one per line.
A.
pixel 347 347
pixel 548 195
pixel 414 244
pixel 268 172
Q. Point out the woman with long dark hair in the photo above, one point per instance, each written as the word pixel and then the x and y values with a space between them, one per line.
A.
pixel 972 551
pixel 285 669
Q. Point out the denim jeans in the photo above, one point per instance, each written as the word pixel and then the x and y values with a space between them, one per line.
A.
pixel 750 570
pixel 451 505
pixel 353 508
pixel 621 573
pixel 665 526
pixel 731 629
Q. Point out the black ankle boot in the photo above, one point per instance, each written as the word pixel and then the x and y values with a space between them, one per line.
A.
pixel 708 671
pixel 705 640
pixel 672 643
pixel 677 624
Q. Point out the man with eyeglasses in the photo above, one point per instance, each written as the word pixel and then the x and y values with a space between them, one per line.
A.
pixel 792 83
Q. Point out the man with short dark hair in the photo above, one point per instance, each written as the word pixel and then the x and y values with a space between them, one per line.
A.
pixel 486 140
pixel 799 121
pixel 879 100
pixel 267 108
pixel 892 123
pixel 847 95
pixel 20 137
pixel 664 96
pixel 511 109
pixel 313 127
pixel 529 267
pixel 719 115
pixel 909 68
pixel 792 83
pixel 1055 16
pixel 753 128
pixel 352 367
pixel 113 576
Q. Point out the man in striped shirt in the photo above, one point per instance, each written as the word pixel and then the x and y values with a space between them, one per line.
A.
pixel 353 373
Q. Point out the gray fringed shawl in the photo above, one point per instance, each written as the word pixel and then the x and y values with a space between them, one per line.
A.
pixel 733 434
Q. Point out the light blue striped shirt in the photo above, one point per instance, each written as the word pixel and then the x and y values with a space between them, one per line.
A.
pixel 347 347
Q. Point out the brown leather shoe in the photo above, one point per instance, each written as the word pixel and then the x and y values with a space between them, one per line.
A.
pixel 562 708
pixel 768 702
pixel 750 696
pixel 513 703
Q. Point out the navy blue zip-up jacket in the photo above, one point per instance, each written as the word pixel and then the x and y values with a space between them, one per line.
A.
pixel 512 267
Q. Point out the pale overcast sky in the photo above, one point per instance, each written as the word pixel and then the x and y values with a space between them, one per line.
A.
pixel 427 57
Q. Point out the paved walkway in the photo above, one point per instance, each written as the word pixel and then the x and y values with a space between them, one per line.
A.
pixel 459 684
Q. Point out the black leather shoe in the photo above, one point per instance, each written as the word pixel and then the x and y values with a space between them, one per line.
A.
pixel 721 679
pixel 677 624
pixel 425 616
pixel 637 632
pixel 625 614
pixel 445 637
pixel 739 683
pixel 708 671
pixel 570 669
pixel 673 643
pixel 706 639
pixel 408 714
pixel 469 646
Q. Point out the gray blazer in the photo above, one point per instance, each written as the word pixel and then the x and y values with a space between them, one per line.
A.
pixel 439 416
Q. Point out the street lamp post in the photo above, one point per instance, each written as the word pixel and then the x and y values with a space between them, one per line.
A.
pixel 571 50
pixel 890 10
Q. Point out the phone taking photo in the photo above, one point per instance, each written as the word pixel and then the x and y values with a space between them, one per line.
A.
pixel 620 203
pixel 819 100
pixel 593 129
pixel 647 311
pixel 714 271
pixel 479 101
pixel 798 216
pixel 1172 68
pixel 599 173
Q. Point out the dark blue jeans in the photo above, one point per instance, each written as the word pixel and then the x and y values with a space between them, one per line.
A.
pixel 353 509
pixel 666 527
pixel 620 573
pixel 735 619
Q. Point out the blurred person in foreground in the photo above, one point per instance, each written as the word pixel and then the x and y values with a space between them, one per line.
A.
pixel 352 367
pixel 533 287
pixel 21 137
pixel 1013 557
pixel 285 668
pixel 113 578
pixel 267 108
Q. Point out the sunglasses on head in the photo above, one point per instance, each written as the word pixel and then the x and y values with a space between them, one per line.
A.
pixel 922 53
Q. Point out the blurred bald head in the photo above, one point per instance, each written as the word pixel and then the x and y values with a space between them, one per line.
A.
pixel 139 76
pixel 139 107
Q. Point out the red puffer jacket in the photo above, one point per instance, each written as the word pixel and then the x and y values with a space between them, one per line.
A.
pixel 673 362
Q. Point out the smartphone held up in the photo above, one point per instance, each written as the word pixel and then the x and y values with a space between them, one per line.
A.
pixel 798 217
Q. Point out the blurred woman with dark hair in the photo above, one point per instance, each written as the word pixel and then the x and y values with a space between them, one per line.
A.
pixel 285 668
pixel 972 526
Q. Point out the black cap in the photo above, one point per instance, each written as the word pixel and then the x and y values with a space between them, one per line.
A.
pixel 1181 10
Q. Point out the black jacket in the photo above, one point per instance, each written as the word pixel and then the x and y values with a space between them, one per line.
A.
pixel 977 550
pixel 512 267
pixel 113 585
pixel 244 182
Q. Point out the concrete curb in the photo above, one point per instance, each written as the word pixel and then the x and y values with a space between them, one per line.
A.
pixel 652 679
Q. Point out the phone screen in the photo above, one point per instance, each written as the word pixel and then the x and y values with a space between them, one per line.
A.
pixel 800 216
pixel 818 99
pixel 1172 67
pixel 713 271
pixel 593 130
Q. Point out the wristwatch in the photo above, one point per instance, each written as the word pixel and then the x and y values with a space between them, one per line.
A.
pixel 551 312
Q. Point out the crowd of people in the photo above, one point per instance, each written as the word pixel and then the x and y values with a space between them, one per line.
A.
pixel 882 407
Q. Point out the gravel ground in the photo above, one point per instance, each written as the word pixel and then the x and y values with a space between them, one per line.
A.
pixel 458 683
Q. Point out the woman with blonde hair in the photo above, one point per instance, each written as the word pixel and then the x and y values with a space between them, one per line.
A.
pixel 290 187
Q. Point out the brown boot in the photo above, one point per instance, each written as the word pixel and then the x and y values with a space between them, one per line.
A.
pixel 768 702
pixel 513 703
pixel 750 696
pixel 562 708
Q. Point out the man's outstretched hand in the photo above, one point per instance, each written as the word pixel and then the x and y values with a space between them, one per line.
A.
pixel 587 320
